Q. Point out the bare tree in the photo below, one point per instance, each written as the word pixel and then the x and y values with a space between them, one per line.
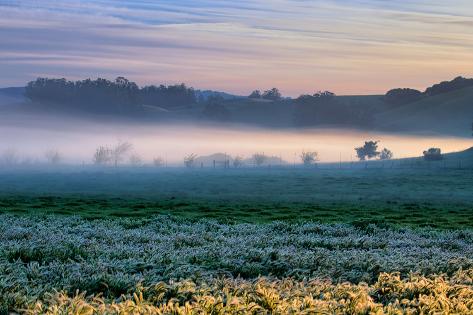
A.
pixel 53 157
pixel 238 161
pixel 259 158
pixel 135 160
pixel 102 155
pixel 119 151
pixel 189 160
pixel 158 162
pixel 309 158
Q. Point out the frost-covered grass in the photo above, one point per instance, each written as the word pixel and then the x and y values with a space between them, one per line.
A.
pixel 389 295
pixel 111 257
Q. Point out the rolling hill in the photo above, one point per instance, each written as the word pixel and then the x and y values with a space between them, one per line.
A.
pixel 450 113
pixel 442 113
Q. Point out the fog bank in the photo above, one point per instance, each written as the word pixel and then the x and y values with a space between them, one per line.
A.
pixel 77 140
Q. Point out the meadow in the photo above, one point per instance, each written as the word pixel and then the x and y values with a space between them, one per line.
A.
pixel 256 241
pixel 440 198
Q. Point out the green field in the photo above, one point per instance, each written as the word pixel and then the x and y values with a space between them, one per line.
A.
pixel 437 198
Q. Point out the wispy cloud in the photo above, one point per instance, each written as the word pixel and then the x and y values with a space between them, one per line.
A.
pixel 347 46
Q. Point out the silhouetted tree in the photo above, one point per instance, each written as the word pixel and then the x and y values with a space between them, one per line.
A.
pixel 273 95
pixel 238 161
pixel 255 94
pixel 168 96
pixel 102 156
pixel 107 96
pixel 433 154
pixel 315 98
pixel 309 158
pixel 119 151
pixel 368 151
pixel 402 96
pixel 189 160
pixel 259 158
pixel 325 108
pixel 386 154
pixel 448 86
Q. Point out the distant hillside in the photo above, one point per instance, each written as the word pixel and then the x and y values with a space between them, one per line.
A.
pixel 12 96
pixel 448 113
pixel 445 108
pixel 13 91
pixel 462 155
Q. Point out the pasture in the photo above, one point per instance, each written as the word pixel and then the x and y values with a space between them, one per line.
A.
pixel 422 197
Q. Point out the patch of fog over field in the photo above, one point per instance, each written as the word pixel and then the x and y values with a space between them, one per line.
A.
pixel 77 140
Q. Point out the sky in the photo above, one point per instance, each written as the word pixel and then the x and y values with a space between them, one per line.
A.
pixel 298 46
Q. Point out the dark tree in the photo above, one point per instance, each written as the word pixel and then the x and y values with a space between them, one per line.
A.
pixel 317 97
pixel 309 158
pixel 102 95
pixel 386 154
pixel 189 160
pixel 273 95
pixel 324 108
pixel 256 94
pixel 402 96
pixel 433 154
pixel 448 86
pixel 259 159
pixel 368 151
pixel 167 96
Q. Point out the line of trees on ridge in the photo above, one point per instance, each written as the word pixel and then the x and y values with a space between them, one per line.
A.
pixel 403 96
pixel 105 95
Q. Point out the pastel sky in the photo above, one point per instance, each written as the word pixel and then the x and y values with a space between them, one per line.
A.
pixel 299 46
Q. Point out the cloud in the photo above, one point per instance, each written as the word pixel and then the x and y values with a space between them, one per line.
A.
pixel 348 46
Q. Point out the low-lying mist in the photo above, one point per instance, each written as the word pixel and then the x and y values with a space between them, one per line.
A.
pixel 76 141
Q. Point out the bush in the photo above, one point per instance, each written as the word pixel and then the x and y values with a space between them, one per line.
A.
pixel 402 96
pixel 433 154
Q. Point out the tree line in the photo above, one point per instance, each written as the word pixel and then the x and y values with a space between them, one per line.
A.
pixel 403 96
pixel 105 95
pixel 124 96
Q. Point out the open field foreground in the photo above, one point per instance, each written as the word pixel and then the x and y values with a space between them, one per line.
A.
pixel 435 198
pixel 66 264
